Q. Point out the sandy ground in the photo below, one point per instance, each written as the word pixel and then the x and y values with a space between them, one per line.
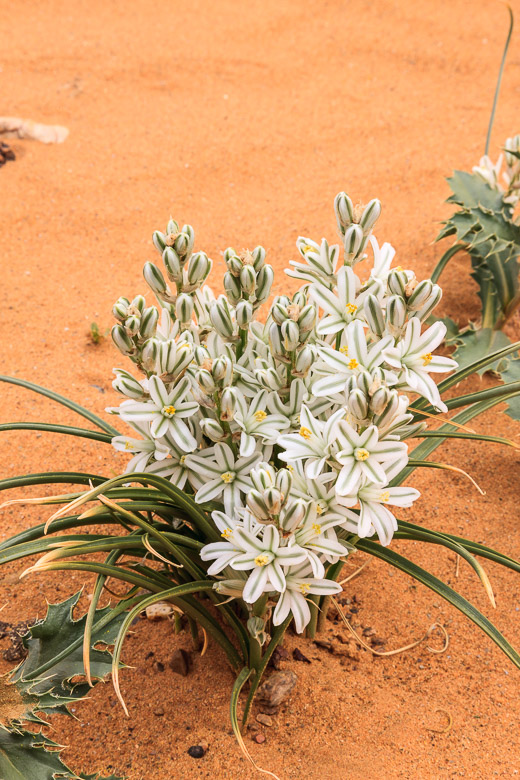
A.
pixel 245 120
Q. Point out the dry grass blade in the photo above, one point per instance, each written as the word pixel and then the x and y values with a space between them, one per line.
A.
pixel 447 728
pixel 354 573
pixel 445 420
pixel 413 644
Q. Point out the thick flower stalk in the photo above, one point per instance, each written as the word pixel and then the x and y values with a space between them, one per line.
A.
pixel 289 426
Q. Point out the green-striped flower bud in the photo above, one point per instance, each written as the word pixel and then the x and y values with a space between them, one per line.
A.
pixel 122 341
pixel 184 243
pixel 150 354
pixel 199 267
pixel 126 384
pixel 212 429
pixel 299 299
pixel 307 318
pixel 120 309
pixel 364 382
pixel 290 335
pixel 256 503
pixel 395 313
pixel 154 279
pixel 279 312
pixel 222 370
pixel 374 315
pixel 293 515
pixel 370 215
pixel 200 355
pixel 351 384
pixel 420 295
pixel 273 500
pixel 283 482
pixel 232 287
pixel 379 400
pixel 358 404
pixel 172 264
pixel 248 279
pixel 232 588
pixel 244 314
pixel 397 281
pixel 344 211
pixel 228 403
pixel 220 316
pixel 172 227
pixel 258 255
pixel 234 263
pixel 132 325
pixel 430 304
pixel 262 477
pixel 275 340
pixel 149 321
pixel 184 308
pixel 159 240
pixel 353 241
pixel 386 416
pixel 304 360
pixel 269 379
pixel 264 282
pixel 205 381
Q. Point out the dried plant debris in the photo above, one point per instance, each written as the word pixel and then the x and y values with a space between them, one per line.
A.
pixel 6 153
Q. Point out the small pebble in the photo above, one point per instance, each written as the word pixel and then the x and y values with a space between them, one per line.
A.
pixel 179 662
pixel 259 738
pixel 299 656
pixel 159 611
pixel 196 751
pixel 159 711
pixel 266 720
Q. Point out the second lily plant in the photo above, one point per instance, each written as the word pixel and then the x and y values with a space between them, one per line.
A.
pixel 266 447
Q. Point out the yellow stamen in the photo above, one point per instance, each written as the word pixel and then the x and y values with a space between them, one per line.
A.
pixel 344 350
pixel 305 432
pixel 260 415
pixel 227 477
pixel 361 454
pixel 226 533
pixel 262 560
pixel 168 411
pixel 316 528
pixel 385 497
pixel 182 460
pixel 128 446
pixel 304 588
pixel 319 509
pixel 399 268
pixel 351 308
pixel 427 358
pixel 352 364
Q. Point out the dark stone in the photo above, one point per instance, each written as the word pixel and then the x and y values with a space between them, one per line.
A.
pixel 196 751
pixel 180 662
pixel 299 656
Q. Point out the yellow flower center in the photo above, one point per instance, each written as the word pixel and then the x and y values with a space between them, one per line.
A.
pixel 168 411
pixel 304 588
pixel 308 248
pixel 351 308
pixel 260 415
pixel 361 454
pixel 385 497
pixel 427 358
pixel 182 460
pixel 290 468
pixel 399 268
pixel 128 446
pixel 226 533
pixel 316 528
pixel 305 432
pixel 319 509
pixel 227 477
pixel 344 350
pixel 262 560
pixel 352 364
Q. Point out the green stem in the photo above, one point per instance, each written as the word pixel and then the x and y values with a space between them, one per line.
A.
pixel 50 428
pixel 499 80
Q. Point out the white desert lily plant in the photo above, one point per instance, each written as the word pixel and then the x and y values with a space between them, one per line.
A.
pixel 266 447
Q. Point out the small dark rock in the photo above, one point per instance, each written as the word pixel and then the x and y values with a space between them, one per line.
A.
pixel 264 719
pixel 6 153
pixel 159 711
pixel 369 631
pixel 196 751
pixel 299 656
pixel 324 643
pixel 158 666
pixel 279 655
pixel 180 662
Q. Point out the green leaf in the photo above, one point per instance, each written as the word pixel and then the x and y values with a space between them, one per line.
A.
pixel 474 345
pixel 470 190
pixel 64 401
pixel 512 374
pixel 447 593
pixel 28 756
pixel 95 776
pixel 51 428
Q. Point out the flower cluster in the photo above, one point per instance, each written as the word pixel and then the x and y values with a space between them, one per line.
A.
pixel 289 427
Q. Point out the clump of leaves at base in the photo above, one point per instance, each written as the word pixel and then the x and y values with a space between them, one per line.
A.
pixel 486 228
pixel 49 680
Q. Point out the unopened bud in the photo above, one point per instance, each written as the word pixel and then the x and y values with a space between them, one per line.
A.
pixel 212 429
pixel 290 335
pixel 293 515
pixel 120 309
pixel 379 400
pixel 283 482
pixel 344 211
pixel 374 315
pixel 358 405
pixel 304 360
pixel 126 384
pixel 132 325
pixel 273 500
pixel 420 295
pixel 244 314
pixel 248 279
pixel 431 303
pixel 159 240
pixel 172 263
pixel 205 381
pixel 395 312
pixel 154 279
pixel 228 403
pixel 370 215
pixel 184 308
pixel 149 321
pixel 199 267
pixel 397 281
pixel 222 370
pixel 220 316
pixel 122 341
pixel 353 241
pixel 307 318
pixel 256 503
pixel 264 282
